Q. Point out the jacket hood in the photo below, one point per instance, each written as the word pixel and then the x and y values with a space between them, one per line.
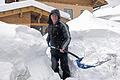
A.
pixel 56 12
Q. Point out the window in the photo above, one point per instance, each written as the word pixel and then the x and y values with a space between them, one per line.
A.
pixel 34 18
pixel 69 11
pixel 81 11
pixel 10 1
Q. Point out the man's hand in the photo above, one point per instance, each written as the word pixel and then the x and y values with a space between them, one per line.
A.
pixel 62 50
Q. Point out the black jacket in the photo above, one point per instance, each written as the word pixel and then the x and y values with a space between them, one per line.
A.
pixel 58 34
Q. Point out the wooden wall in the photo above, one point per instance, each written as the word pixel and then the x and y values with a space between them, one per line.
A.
pixel 17 19
pixel 74 2
pixel 76 8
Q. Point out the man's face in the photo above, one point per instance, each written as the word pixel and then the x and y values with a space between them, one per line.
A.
pixel 54 18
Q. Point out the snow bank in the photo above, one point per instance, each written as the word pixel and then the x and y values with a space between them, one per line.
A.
pixel 87 21
pixel 25 49
pixel 96 40
pixel 5 70
pixel 6 30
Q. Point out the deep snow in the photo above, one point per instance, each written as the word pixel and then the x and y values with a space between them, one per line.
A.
pixel 23 51
pixel 97 40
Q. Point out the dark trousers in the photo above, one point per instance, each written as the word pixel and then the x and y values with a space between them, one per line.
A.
pixel 56 55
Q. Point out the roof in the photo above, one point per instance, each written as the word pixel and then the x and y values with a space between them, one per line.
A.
pixel 27 3
pixel 109 11
pixel 98 3
pixel 117 18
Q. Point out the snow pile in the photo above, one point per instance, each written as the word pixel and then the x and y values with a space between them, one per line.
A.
pixel 96 40
pixel 87 21
pixel 24 49
pixel 5 70
pixel 7 31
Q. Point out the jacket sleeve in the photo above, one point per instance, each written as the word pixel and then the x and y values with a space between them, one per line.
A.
pixel 66 35
pixel 48 37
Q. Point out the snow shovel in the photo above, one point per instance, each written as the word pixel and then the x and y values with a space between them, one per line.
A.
pixel 81 65
pixel 78 58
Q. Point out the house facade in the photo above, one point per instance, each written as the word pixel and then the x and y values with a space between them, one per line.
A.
pixel 34 15
pixel 73 7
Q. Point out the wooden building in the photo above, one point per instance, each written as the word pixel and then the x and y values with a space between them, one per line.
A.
pixel 34 16
pixel 74 7
pixel 31 13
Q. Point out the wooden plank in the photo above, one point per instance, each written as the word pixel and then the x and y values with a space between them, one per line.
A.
pixel 99 3
pixel 23 10
pixel 13 12
pixel 40 11
pixel 36 24
pixel 39 24
pixel 102 1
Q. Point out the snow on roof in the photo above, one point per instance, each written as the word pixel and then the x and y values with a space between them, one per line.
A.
pixel 113 3
pixel 2 2
pixel 115 18
pixel 21 4
pixel 107 11
pixel 103 12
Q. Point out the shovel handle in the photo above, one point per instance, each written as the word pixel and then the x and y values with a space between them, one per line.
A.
pixel 66 52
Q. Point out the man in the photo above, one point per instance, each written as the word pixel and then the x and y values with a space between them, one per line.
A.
pixel 59 37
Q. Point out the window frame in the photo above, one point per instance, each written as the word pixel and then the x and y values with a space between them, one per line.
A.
pixel 69 11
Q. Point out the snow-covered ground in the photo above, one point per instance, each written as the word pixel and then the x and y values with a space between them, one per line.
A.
pixel 23 51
